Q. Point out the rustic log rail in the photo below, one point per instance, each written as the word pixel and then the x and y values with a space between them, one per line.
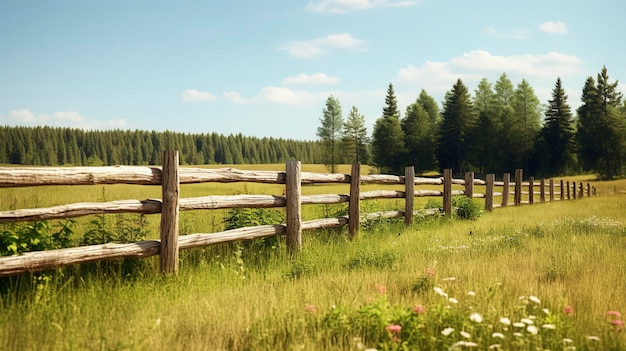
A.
pixel 171 175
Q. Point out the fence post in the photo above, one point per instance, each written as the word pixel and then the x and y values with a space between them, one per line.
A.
pixel 505 189
pixel 447 191
pixel 574 190
pixel 531 190
pixel 588 190
pixel 469 184
pixel 562 195
pixel 580 189
pixel 409 194
pixel 353 205
pixel 518 187
pixel 169 213
pixel 489 180
pixel 568 193
pixel 293 192
pixel 542 191
pixel 551 190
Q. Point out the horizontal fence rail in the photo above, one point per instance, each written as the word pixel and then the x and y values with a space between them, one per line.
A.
pixel 170 176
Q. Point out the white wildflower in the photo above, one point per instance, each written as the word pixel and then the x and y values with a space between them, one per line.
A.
pixel 519 325
pixel 518 334
pixel 476 317
pixel 534 299
pixel 546 311
pixel 471 293
pixel 497 335
pixel 593 338
pixel 549 326
pixel 465 334
pixel 453 300
pixel 527 321
pixel 449 279
pixel 505 321
pixel 495 347
pixel 532 329
pixel 447 331
pixel 440 292
pixel 567 341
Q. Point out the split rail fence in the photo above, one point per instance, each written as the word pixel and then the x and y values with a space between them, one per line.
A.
pixel 170 176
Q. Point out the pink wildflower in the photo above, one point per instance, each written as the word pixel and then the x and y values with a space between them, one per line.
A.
pixel 568 310
pixel 419 309
pixel 381 289
pixel 618 323
pixel 614 314
pixel 394 328
pixel 430 272
pixel 311 309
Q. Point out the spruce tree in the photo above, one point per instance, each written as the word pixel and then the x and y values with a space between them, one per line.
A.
pixel 355 139
pixel 458 119
pixel 330 131
pixel 557 134
pixel 388 137
pixel 418 138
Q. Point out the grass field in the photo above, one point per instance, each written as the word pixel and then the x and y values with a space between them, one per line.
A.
pixel 547 276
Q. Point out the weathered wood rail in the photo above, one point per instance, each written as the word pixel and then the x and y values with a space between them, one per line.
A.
pixel 170 176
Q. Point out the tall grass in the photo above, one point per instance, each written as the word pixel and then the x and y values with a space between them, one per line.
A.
pixel 341 294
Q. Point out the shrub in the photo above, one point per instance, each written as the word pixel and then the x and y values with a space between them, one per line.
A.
pixel 466 208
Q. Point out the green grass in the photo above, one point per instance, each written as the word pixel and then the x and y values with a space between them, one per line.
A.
pixel 235 297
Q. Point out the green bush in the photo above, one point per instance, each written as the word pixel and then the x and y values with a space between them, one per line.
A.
pixel 35 236
pixel 466 208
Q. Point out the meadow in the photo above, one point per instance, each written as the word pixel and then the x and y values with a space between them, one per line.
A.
pixel 546 276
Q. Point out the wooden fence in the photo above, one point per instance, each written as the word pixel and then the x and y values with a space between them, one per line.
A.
pixel 170 176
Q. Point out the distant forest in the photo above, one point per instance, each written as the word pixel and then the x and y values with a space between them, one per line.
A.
pixel 50 146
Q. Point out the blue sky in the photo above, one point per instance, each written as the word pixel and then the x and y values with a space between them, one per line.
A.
pixel 265 68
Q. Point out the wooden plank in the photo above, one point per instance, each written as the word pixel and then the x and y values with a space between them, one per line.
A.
pixel 562 187
pixel 542 190
pixel 169 214
pixel 469 184
pixel 36 176
pixel 531 190
pixel 354 204
pixel 506 180
pixel 447 192
pixel 293 191
pixel 409 194
pixel 518 187
pixel 150 206
pixel 551 197
pixel 490 179
pixel 37 261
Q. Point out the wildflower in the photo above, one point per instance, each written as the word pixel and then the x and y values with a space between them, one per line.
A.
pixel 465 334
pixel 476 317
pixel 495 347
pixel 519 325
pixel 419 309
pixel 617 323
pixel 449 279
pixel 158 322
pixel 505 321
pixel 527 321
pixel 463 343
pixel 440 291
pixel 430 272
pixel 549 326
pixel 311 309
pixel 471 293
pixel 532 329
pixel 447 331
pixel 497 335
pixel 453 300
pixel 546 311
pixel 518 334
pixel 593 338
pixel 394 328
pixel 567 341
pixel 381 289
pixel 568 310
pixel 534 299
pixel 614 314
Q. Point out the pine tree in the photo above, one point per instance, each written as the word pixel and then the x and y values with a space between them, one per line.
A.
pixel 557 135
pixel 526 123
pixel 458 119
pixel 330 131
pixel 355 139
pixel 418 138
pixel 484 135
pixel 388 137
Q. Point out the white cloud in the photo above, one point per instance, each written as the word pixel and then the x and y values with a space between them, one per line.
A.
pixel 193 95
pixel 514 34
pixel 553 27
pixel 317 78
pixel 275 95
pixel 316 47
pixel 541 71
pixel 343 6
pixel 70 119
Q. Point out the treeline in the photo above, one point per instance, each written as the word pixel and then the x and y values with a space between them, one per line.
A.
pixel 50 146
pixel 499 128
